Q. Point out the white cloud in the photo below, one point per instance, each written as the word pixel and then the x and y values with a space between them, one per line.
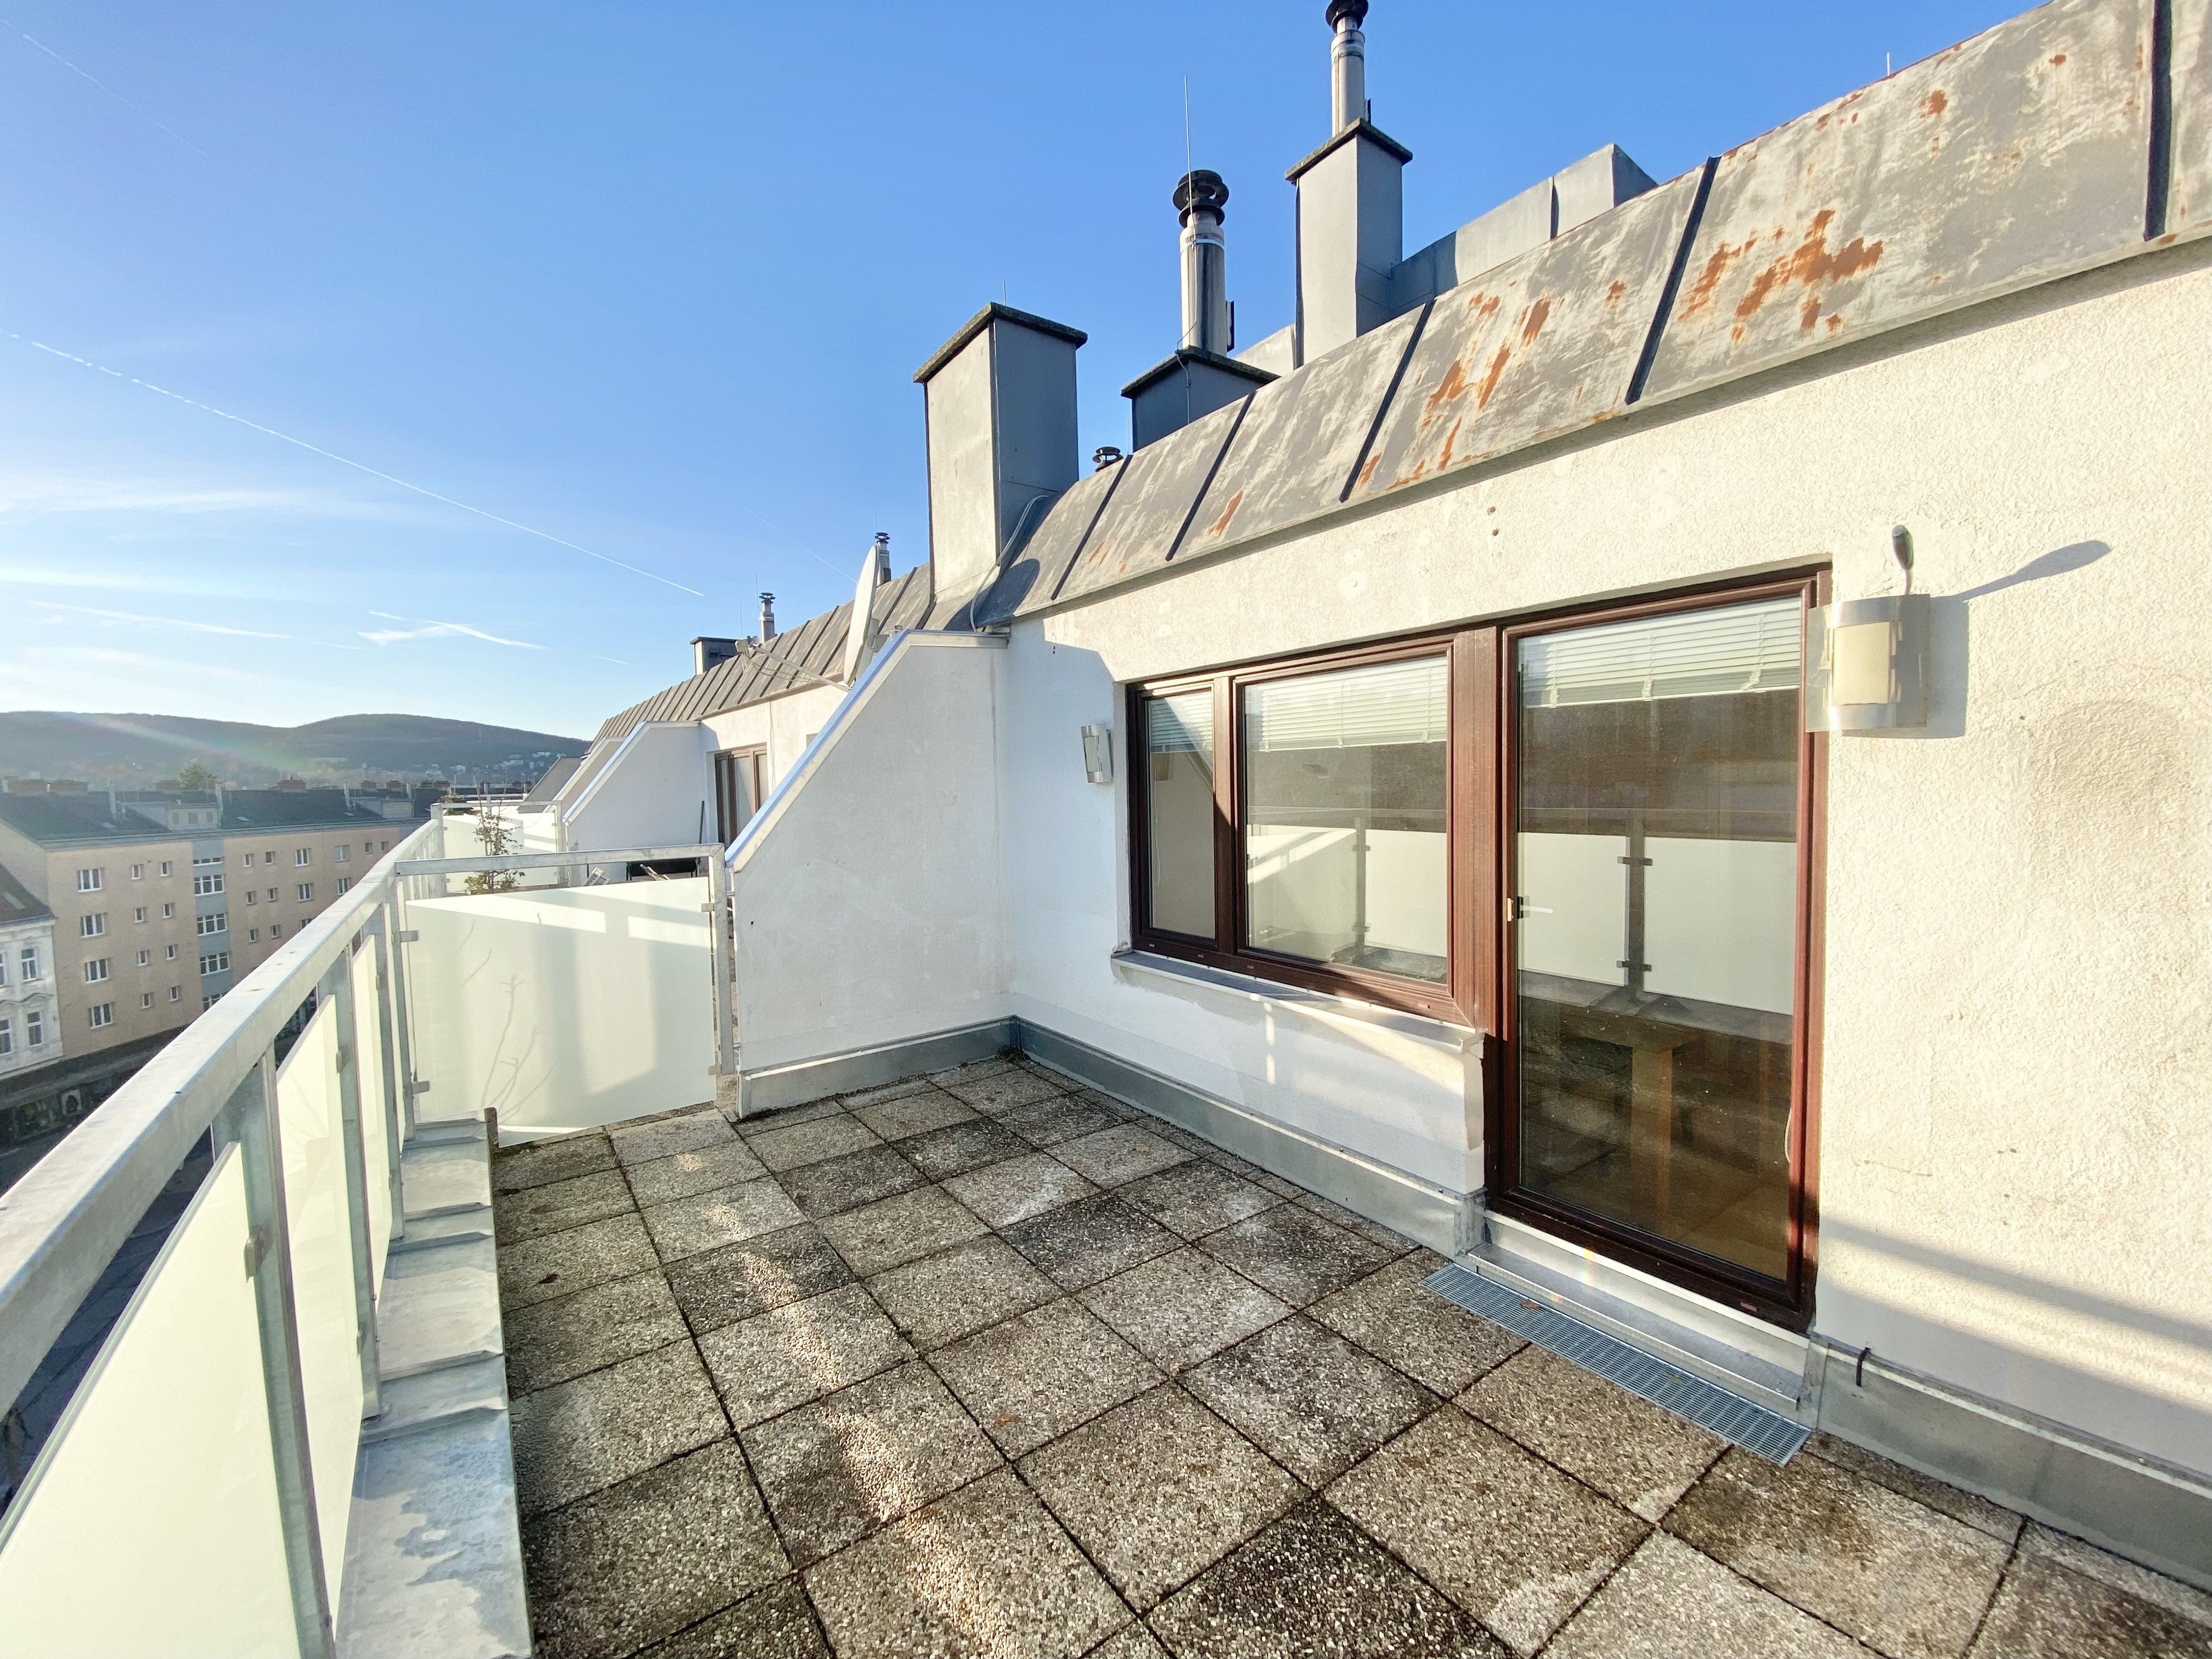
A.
pixel 437 630
pixel 138 620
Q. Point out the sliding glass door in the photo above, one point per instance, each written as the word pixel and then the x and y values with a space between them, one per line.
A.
pixel 1657 810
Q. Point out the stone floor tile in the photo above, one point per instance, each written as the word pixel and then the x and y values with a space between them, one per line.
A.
pixel 558 1264
pixel 1978 1512
pixel 968 1288
pixel 1670 1602
pixel 1511 1539
pixel 552 1342
pixel 1640 1456
pixel 915 1114
pixel 834 1471
pixel 605 1426
pixel 2042 1543
pixel 903 1228
pixel 1157 1491
pixel 1032 1379
pixel 690 1226
pixel 1090 1240
pixel 1121 1108
pixel 650 1556
pixel 1893 1572
pixel 1182 1308
pixel 985 1572
pixel 783 1117
pixel 795 1144
pixel 542 1162
pixel 837 1184
pixel 1063 1117
pixel 1352 1221
pixel 1390 1315
pixel 882 1092
pixel 959 1147
pixel 558 1205
pixel 1312 1583
pixel 1195 1197
pixel 996 1066
pixel 2046 1611
pixel 1294 1253
pixel 1308 1399
pixel 1116 1157
pixel 1018 1188
pixel 1002 1092
pixel 773 1361
pixel 1246 1170
pixel 737 1281
pixel 682 1175
pixel 776 1623
pixel 663 1137
pixel 1132 1641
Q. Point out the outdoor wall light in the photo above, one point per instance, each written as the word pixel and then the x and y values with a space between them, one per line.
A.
pixel 1098 753
pixel 1867 660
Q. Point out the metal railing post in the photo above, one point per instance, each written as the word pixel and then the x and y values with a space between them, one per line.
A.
pixel 345 1016
pixel 393 1103
pixel 396 912
pixel 722 952
pixel 250 1118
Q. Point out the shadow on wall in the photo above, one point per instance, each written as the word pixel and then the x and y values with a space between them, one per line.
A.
pixel 1950 648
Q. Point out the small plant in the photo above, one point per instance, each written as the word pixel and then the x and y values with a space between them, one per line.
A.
pixel 499 838
pixel 193 775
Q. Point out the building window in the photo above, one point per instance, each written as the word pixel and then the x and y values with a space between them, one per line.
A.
pixel 169 912
pixel 275 930
pixel 203 886
pixel 215 961
pixel 94 926
pixel 272 896
pixel 343 883
pixel 306 892
pixel 343 853
pixel 176 992
pixel 167 867
pixel 28 962
pixel 303 856
pixel 737 789
pixel 137 873
pixel 246 859
pixel 253 936
pixel 95 970
pixel 34 1028
pixel 7 1035
pixel 144 957
pixel 100 1015
pixel 216 922
pixel 145 999
pixel 210 1000
pixel 3 969
pixel 269 857
pixel 138 914
pixel 253 898
pixel 171 955
pixel 88 881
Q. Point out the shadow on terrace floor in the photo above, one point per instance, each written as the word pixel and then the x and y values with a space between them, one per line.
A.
pixel 987 1363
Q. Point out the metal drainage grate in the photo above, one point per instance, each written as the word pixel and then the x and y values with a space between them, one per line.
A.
pixel 1765 1433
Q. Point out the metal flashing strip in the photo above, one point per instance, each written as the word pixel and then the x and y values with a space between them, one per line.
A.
pixel 1762 1432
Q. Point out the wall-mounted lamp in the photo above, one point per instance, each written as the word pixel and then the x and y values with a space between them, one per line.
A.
pixel 1098 753
pixel 1867 660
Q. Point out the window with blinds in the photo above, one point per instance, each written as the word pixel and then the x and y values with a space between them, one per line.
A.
pixel 1399 702
pixel 1726 652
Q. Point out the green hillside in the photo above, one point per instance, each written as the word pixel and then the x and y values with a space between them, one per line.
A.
pixel 141 749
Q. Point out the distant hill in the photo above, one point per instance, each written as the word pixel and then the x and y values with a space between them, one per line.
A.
pixel 139 749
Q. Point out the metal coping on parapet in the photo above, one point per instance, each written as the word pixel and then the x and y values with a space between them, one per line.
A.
pixel 991 313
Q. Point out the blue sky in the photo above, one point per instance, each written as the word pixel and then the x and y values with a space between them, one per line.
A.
pixel 651 278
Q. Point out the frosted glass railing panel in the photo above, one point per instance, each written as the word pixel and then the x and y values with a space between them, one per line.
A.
pixel 375 1125
pixel 1302 891
pixel 1406 884
pixel 1720 922
pixel 310 1128
pixel 1574 905
pixel 563 1008
pixel 152 1526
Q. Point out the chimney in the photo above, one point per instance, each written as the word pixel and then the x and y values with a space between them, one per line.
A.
pixel 1200 376
pixel 767 617
pixel 883 558
pixel 998 413
pixel 1351 205
pixel 707 653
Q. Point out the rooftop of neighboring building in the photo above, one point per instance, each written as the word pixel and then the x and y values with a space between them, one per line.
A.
pixel 16 903
pixel 72 819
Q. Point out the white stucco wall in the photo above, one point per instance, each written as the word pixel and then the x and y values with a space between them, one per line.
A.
pixel 656 790
pixel 2015 1139
pixel 782 726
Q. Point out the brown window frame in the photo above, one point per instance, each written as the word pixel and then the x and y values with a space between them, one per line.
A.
pixel 1469 990
pixel 1791 1306
pixel 727 760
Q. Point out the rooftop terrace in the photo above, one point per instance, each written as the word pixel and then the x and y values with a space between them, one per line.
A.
pixel 988 1363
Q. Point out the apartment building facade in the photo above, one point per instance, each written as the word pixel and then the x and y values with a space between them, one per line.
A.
pixel 30 1014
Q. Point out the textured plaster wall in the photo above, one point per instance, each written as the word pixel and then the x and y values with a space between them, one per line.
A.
pixel 2015 1124
pixel 783 725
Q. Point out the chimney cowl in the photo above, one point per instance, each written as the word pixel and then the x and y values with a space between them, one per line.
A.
pixel 1202 191
pixel 1341 12
pixel 1104 456
pixel 767 617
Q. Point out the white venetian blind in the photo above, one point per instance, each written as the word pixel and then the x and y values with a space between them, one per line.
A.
pixel 1696 653
pixel 1180 726
pixel 1395 703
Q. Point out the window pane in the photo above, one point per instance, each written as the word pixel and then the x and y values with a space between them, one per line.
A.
pixel 1179 804
pixel 1655 802
pixel 1343 817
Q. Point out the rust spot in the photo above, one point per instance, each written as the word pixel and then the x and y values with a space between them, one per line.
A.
pixel 1736 334
pixel 1450 438
pixel 1534 325
pixel 1701 291
pixel 1612 295
pixel 1367 472
pixel 1453 383
pixel 1935 103
pixel 2058 61
pixel 1834 323
pixel 1491 376
pixel 1813 265
pixel 1221 523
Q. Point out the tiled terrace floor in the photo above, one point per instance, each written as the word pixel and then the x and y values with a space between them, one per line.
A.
pixel 984 1363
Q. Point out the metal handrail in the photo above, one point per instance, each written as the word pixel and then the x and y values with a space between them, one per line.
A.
pixel 62 1223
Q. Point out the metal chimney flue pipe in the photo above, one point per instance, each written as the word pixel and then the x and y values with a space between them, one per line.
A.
pixel 1200 198
pixel 1347 59
pixel 883 557
pixel 767 617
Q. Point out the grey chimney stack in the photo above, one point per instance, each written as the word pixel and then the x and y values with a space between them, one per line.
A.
pixel 1200 198
pixel 1348 64
pixel 707 652
pixel 767 617
pixel 883 558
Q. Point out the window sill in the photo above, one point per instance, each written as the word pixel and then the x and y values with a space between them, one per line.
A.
pixel 1135 964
